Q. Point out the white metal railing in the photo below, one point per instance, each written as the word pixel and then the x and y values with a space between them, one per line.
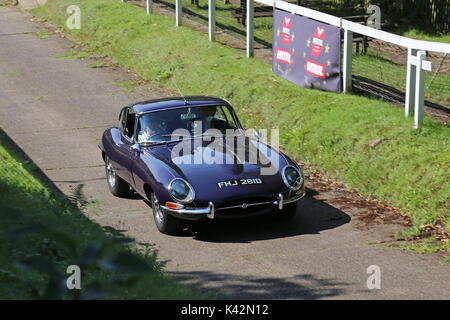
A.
pixel 358 28
pixel 414 96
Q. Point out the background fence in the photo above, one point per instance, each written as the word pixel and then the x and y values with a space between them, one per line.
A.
pixel 378 67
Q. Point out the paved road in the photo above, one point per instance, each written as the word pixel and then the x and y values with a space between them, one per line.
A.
pixel 56 109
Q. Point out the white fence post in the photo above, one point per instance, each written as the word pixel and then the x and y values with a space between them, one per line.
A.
pixel 212 20
pixel 178 9
pixel 419 95
pixel 149 6
pixel 250 24
pixel 348 55
pixel 410 83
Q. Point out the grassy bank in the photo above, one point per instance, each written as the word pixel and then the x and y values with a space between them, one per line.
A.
pixel 334 132
pixel 41 234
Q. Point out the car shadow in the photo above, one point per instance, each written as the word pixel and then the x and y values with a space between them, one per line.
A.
pixel 313 216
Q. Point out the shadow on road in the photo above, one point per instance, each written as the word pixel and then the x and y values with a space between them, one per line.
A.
pixel 313 216
pixel 302 286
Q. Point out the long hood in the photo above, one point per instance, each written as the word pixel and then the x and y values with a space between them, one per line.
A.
pixel 226 167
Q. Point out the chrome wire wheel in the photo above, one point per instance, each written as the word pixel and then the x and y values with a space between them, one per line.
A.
pixel 165 222
pixel 158 212
pixel 111 174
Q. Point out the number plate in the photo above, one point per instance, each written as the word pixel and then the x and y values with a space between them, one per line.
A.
pixel 239 182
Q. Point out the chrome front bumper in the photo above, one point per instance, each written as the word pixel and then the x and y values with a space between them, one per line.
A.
pixel 210 210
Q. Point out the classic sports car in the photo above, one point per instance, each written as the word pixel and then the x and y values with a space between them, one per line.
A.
pixel 160 149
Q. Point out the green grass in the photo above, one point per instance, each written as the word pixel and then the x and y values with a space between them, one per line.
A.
pixel 42 233
pixel 379 67
pixel 73 54
pixel 98 64
pixel 417 34
pixel 330 131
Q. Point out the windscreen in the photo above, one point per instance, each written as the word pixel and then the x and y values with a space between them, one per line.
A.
pixel 159 126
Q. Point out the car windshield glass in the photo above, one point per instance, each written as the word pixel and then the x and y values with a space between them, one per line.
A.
pixel 185 123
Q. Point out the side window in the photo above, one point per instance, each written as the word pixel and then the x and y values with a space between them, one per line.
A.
pixel 128 121
pixel 225 115
pixel 121 123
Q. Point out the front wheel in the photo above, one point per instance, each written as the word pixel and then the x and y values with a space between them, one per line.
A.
pixel 117 185
pixel 165 222
pixel 288 213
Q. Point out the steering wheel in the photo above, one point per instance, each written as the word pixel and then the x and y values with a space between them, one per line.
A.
pixel 159 133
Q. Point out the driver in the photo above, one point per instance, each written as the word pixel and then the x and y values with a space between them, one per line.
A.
pixel 213 122
pixel 150 126
pixel 208 114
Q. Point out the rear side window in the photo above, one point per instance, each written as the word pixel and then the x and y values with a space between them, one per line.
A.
pixel 128 119
pixel 121 123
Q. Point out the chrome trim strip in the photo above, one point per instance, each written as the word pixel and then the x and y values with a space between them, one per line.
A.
pixel 209 210
pixel 248 205
pixel 279 202
pixel 188 211
pixel 295 198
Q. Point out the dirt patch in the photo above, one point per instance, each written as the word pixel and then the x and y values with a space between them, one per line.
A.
pixel 368 212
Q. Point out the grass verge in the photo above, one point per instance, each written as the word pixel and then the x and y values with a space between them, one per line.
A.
pixel 333 132
pixel 42 233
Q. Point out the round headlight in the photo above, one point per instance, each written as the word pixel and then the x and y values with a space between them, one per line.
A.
pixel 181 191
pixel 292 177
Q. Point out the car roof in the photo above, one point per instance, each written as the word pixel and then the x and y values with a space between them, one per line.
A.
pixel 175 102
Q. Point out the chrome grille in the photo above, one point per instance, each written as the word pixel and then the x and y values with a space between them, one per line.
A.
pixel 245 203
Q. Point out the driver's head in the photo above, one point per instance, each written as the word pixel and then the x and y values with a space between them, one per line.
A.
pixel 148 124
pixel 209 111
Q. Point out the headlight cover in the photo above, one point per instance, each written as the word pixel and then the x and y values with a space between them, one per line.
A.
pixel 292 177
pixel 180 190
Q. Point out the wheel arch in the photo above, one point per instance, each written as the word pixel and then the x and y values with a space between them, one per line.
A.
pixel 148 191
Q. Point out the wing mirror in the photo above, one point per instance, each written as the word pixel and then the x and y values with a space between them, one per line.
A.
pixel 136 147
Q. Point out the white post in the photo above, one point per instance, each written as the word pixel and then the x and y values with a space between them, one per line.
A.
pixel 178 9
pixel 149 6
pixel 212 20
pixel 348 55
pixel 249 21
pixel 410 83
pixel 419 96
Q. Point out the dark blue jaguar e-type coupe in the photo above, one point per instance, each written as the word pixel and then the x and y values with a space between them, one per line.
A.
pixel 191 158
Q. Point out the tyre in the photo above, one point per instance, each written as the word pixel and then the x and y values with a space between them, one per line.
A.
pixel 288 213
pixel 117 185
pixel 165 222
